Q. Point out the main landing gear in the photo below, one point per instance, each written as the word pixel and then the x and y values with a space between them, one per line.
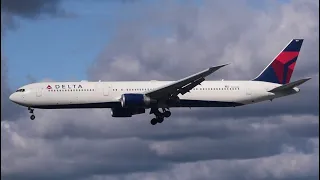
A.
pixel 159 115
pixel 32 117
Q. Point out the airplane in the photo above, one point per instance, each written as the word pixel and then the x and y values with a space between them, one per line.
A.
pixel 128 98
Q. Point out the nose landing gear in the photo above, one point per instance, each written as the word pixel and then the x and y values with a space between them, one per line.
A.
pixel 159 115
pixel 32 117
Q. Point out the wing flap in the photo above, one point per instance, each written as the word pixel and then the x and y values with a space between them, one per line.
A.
pixel 290 85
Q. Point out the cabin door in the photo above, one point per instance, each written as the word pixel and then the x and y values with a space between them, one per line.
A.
pixel 248 92
pixel 39 92
pixel 106 90
pixel 103 88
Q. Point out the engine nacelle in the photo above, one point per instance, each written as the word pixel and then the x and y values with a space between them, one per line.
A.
pixel 126 112
pixel 120 112
pixel 135 100
pixel 138 111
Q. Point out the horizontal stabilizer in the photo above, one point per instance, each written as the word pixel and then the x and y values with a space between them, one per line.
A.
pixel 290 85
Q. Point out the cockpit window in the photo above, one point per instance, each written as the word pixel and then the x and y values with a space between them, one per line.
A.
pixel 20 90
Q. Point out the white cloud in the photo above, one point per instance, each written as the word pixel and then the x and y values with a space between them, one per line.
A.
pixel 266 141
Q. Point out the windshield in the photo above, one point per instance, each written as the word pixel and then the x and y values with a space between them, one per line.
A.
pixel 20 90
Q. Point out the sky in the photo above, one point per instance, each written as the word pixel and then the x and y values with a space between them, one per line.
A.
pixel 67 40
pixel 59 48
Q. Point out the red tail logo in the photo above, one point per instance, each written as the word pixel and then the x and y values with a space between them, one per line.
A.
pixel 282 67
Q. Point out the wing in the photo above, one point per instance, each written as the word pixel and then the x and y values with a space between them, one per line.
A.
pixel 182 86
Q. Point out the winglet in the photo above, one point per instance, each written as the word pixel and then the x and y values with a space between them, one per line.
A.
pixel 218 67
pixel 212 69
pixel 224 65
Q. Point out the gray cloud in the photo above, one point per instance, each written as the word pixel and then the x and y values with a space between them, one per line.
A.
pixel 277 140
pixel 8 109
pixel 249 40
pixel 10 10
pixel 80 155
pixel 31 8
pixel 282 166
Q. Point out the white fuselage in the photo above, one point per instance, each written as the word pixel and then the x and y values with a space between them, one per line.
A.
pixel 64 95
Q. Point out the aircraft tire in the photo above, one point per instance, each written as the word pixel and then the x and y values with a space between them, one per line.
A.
pixel 160 119
pixel 32 117
pixel 154 121
pixel 167 114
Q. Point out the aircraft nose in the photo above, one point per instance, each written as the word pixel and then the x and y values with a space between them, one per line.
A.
pixel 13 97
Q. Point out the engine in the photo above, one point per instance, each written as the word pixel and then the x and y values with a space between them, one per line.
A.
pixel 126 112
pixel 136 100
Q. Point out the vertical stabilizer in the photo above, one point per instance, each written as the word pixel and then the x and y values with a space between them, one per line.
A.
pixel 281 68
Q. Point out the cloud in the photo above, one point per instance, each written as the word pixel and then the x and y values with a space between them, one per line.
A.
pixel 27 151
pixel 8 109
pixel 10 11
pixel 32 9
pixel 169 40
pixel 286 165
pixel 200 37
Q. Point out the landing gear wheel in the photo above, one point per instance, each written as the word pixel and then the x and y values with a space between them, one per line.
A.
pixel 160 119
pixel 154 121
pixel 167 114
pixel 32 117
pixel 159 115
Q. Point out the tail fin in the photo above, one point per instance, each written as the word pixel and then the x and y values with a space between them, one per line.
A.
pixel 281 68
